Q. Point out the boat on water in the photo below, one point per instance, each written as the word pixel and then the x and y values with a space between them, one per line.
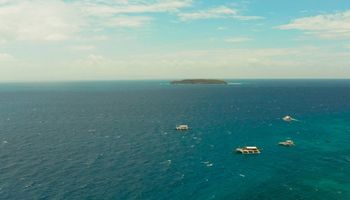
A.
pixel 287 143
pixel 287 118
pixel 182 127
pixel 248 150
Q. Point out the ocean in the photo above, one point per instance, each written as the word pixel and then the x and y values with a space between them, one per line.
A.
pixel 117 140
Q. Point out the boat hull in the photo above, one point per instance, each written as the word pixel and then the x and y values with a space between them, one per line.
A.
pixel 247 151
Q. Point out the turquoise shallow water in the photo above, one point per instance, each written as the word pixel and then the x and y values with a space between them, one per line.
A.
pixel 116 140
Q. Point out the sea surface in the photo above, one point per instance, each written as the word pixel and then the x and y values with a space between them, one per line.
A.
pixel 116 140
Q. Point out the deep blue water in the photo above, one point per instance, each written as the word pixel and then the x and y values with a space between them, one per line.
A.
pixel 116 140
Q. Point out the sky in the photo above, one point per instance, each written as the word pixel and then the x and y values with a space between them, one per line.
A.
pixel 54 40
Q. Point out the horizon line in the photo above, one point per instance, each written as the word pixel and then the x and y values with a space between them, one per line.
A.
pixel 111 80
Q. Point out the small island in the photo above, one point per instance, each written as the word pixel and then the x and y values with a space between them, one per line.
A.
pixel 200 81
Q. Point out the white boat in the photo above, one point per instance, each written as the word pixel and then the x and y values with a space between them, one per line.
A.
pixel 287 143
pixel 182 127
pixel 248 150
pixel 287 118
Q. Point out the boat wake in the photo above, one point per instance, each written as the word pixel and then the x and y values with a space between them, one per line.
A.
pixel 234 83
pixel 208 163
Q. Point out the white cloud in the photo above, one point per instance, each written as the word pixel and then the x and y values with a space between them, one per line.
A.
pixel 57 20
pixel 2 2
pixel 38 20
pixel 82 48
pixel 246 18
pixel 5 57
pixel 326 26
pixel 129 14
pixel 238 39
pixel 215 13
pixel 93 38
pixel 126 7
pixel 302 62
pixel 218 12
pixel 127 21
pixel 94 60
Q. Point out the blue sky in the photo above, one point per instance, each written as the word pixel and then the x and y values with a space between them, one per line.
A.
pixel 172 39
